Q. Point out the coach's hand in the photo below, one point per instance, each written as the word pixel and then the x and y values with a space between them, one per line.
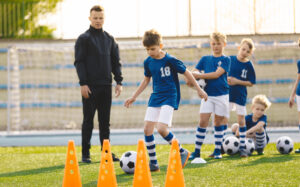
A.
pixel 85 91
pixel 118 90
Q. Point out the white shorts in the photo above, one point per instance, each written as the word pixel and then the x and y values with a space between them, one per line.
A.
pixel 218 105
pixel 298 102
pixel 163 114
pixel 240 110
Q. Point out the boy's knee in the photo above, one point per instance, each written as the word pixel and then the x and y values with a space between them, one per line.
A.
pixel 260 130
pixel 234 127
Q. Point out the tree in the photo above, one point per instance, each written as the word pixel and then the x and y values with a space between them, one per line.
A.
pixel 20 18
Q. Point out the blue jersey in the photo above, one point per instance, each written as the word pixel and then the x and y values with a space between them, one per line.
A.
pixel 164 73
pixel 250 123
pixel 243 71
pixel 298 87
pixel 208 64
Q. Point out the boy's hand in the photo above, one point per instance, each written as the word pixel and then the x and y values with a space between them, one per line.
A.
pixel 202 94
pixel 129 102
pixel 291 102
pixel 232 81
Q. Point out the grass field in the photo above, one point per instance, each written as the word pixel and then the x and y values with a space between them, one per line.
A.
pixel 44 166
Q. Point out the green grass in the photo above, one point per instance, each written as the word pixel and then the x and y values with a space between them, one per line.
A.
pixel 44 166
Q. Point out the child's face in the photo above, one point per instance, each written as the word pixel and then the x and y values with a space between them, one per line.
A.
pixel 258 110
pixel 154 51
pixel 244 51
pixel 217 47
pixel 97 19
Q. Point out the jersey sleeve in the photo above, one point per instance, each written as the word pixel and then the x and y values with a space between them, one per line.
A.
pixel 200 65
pixel 178 65
pixel 226 64
pixel 298 65
pixel 251 74
pixel 147 72
pixel 263 119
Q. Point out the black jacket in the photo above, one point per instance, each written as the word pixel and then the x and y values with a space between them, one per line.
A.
pixel 96 57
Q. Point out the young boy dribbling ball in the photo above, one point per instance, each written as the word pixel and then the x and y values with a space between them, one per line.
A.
pixel 296 94
pixel 164 69
pixel 256 123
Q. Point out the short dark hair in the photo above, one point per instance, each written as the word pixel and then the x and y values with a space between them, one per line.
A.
pixel 151 37
pixel 97 8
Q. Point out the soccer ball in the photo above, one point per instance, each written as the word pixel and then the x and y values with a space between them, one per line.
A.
pixel 201 83
pixel 250 146
pixel 285 145
pixel 231 145
pixel 127 162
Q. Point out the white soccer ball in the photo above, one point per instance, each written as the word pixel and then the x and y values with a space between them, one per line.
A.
pixel 201 83
pixel 285 145
pixel 127 162
pixel 250 146
pixel 231 145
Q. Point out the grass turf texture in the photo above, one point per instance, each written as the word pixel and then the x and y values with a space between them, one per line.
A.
pixel 44 166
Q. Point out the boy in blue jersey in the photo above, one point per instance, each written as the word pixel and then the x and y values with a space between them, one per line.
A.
pixel 215 69
pixel 256 123
pixel 164 69
pixel 240 76
pixel 296 94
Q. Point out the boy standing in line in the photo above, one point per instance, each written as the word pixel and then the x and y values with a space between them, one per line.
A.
pixel 215 67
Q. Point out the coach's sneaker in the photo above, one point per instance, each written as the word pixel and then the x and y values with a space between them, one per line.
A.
pixel 260 151
pixel 243 153
pixel 194 155
pixel 86 159
pixel 297 150
pixel 154 167
pixel 184 157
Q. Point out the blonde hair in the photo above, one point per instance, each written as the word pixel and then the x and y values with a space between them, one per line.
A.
pixel 261 99
pixel 219 37
pixel 152 37
pixel 249 42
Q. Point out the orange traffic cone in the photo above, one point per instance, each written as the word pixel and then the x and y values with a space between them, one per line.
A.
pixel 72 175
pixel 107 175
pixel 142 175
pixel 175 176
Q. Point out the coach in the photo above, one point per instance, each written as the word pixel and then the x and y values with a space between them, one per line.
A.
pixel 96 58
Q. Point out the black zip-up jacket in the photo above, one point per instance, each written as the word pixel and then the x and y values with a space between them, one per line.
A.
pixel 96 57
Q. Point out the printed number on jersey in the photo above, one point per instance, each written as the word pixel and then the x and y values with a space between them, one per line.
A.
pixel 165 71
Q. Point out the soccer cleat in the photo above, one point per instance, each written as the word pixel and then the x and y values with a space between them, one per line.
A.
pixel 198 160
pixel 184 157
pixel 154 167
pixel 216 153
pixel 115 158
pixel 218 156
pixel 194 155
pixel 260 151
pixel 243 153
pixel 297 150
pixel 86 159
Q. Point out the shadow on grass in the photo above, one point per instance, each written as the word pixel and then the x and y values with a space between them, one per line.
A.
pixel 275 159
pixel 38 170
